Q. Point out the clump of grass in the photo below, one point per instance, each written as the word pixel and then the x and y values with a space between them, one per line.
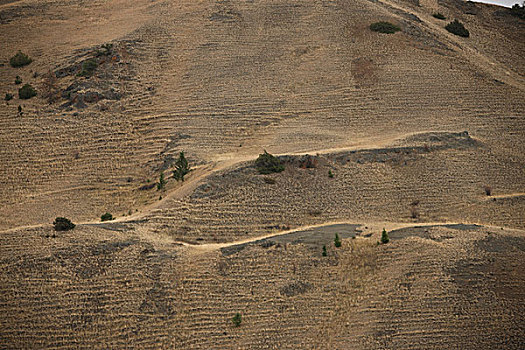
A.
pixel 63 224
pixel 106 217
pixel 8 96
pixel 439 15
pixel 384 27
pixel 384 237
pixel 20 60
pixel 237 320
pixel 88 68
pixel 18 80
pixel 26 92
pixel 337 241
pixel 267 164
pixel 457 28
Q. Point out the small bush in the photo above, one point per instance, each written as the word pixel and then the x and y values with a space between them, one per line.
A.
pixel 63 224
pixel 19 109
pixel 439 15
pixel 26 92
pixel 457 28
pixel 237 319
pixel 384 27
pixel 488 190
pixel 518 11
pixel 18 80
pixel 8 96
pixel 384 237
pixel 20 60
pixel 325 253
pixel 337 241
pixel 88 68
pixel 182 167
pixel 267 164
pixel 106 217
pixel 162 182
pixel 330 174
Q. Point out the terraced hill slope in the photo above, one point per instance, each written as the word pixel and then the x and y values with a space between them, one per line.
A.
pixel 422 132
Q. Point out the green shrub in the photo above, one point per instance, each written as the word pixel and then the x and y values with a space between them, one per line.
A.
pixel 63 224
pixel 384 237
pixel 518 11
pixel 457 28
pixel 8 96
pixel 18 80
pixel 26 92
pixel 20 60
pixel 237 319
pixel 162 182
pixel 439 15
pixel 267 164
pixel 325 253
pixel 337 241
pixel 330 174
pixel 88 68
pixel 182 167
pixel 384 27
pixel 106 217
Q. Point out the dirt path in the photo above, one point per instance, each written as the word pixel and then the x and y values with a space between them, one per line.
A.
pixel 321 234
pixel 229 160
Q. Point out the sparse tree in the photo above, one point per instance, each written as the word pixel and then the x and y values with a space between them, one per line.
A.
pixel 384 237
pixel 237 319
pixel 267 164
pixel 106 217
pixel 162 182
pixel 337 241
pixel 182 167
pixel 63 224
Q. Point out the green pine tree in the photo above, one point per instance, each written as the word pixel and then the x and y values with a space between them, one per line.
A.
pixel 384 237
pixel 182 167
pixel 337 241
pixel 162 182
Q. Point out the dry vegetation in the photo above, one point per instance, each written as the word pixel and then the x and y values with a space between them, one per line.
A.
pixel 368 129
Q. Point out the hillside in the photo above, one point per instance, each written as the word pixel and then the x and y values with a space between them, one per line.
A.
pixel 414 128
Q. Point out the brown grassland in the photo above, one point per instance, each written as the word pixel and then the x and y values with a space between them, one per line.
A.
pixel 422 132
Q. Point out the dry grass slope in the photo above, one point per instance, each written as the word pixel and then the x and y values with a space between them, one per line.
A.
pixel 222 81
